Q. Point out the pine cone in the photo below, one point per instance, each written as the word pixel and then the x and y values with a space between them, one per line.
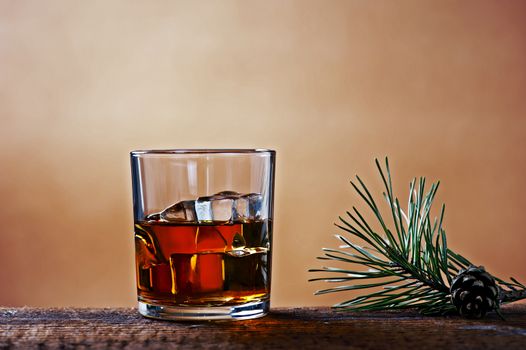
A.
pixel 474 292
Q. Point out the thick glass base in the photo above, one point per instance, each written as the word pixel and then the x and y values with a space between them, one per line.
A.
pixel 205 313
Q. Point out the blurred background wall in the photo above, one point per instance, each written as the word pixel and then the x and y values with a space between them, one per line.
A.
pixel 438 86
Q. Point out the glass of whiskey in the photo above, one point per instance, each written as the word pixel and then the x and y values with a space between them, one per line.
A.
pixel 203 232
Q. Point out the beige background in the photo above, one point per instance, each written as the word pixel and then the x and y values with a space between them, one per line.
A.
pixel 439 86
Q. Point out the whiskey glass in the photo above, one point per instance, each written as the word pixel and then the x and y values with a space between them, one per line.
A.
pixel 203 232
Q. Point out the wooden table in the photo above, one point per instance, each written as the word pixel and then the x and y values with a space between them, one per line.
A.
pixel 298 328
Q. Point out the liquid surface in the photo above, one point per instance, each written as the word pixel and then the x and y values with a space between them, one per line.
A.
pixel 201 265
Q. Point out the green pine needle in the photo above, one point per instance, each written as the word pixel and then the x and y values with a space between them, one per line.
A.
pixel 405 255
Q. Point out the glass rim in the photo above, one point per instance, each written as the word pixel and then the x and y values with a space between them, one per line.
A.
pixel 203 151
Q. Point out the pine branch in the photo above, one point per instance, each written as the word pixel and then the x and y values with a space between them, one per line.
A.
pixel 406 256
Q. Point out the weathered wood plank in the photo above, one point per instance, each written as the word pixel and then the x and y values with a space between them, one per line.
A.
pixel 300 328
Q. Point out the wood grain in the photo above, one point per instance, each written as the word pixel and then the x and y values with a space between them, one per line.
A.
pixel 299 328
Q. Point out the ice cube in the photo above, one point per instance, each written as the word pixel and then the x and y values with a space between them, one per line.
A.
pixel 147 255
pixel 161 278
pixel 216 208
pixel 209 239
pixel 176 239
pixel 217 239
pixel 220 207
pixel 196 273
pixel 248 207
pixel 180 212
pixel 209 271
pixel 182 272
pixel 245 272
pixel 147 248
pixel 203 209
pixel 153 217
pixel 144 256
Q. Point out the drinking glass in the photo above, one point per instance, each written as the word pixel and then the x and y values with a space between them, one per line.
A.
pixel 203 232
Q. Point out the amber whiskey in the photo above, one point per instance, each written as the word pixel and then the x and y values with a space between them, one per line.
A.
pixel 183 264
